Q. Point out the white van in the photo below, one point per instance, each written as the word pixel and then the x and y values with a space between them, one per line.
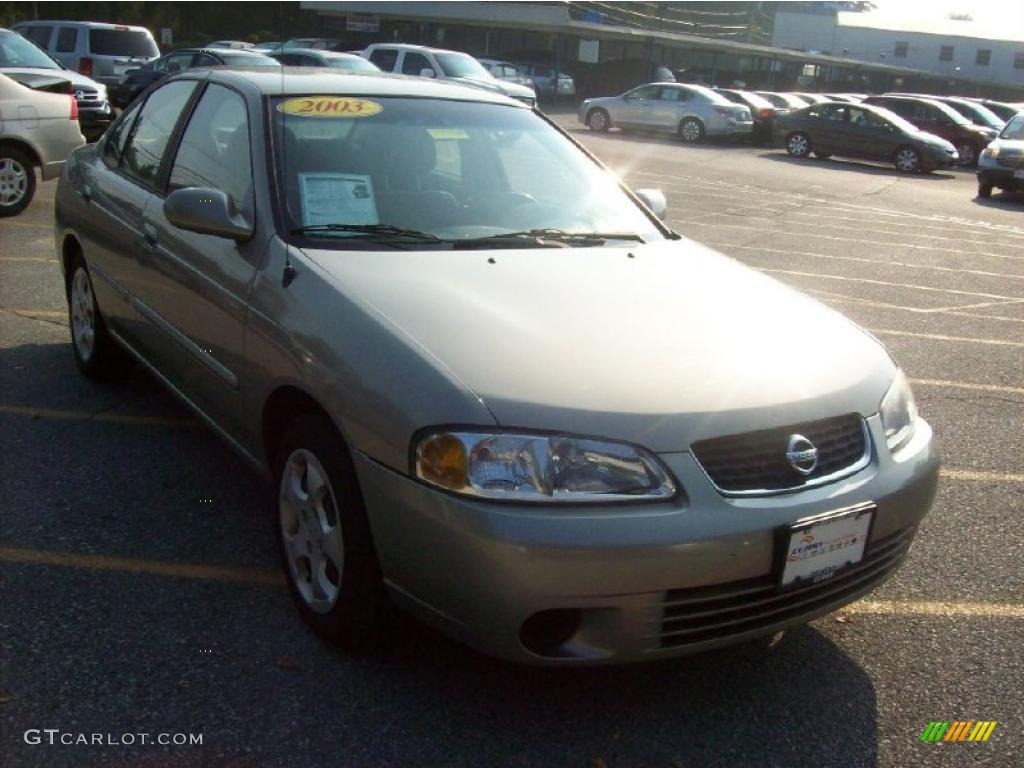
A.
pixel 103 52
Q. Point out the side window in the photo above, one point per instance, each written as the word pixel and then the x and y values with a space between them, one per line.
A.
pixel 644 92
pixel 674 94
pixel 414 62
pixel 39 35
pixel 385 59
pixel 289 59
pixel 67 40
pixel 214 150
pixel 153 130
pixel 206 60
pixel 835 113
pixel 113 144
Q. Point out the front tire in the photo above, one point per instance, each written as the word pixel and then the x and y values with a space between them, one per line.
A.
pixel 327 551
pixel 98 356
pixel 984 190
pixel 17 181
pixel 907 160
pixel 598 120
pixel 798 145
pixel 968 154
pixel 691 130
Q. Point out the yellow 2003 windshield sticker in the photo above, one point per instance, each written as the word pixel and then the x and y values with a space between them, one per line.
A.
pixel 330 106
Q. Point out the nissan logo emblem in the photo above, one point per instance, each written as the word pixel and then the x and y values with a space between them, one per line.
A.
pixel 802 455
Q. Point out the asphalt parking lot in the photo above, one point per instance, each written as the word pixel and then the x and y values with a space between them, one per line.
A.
pixel 139 580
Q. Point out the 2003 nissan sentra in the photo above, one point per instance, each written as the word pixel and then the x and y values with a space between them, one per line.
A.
pixel 488 382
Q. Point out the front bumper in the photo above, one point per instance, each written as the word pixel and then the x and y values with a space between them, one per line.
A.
pixel 94 122
pixel 645 581
pixel 1003 178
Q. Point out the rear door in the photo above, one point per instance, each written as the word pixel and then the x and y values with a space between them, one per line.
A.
pixel 873 137
pixel 197 285
pixel 831 134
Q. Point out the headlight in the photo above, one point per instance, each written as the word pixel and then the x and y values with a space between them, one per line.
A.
pixel 898 413
pixel 539 468
pixel 990 151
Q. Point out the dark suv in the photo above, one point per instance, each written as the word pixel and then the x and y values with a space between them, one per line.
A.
pixel 942 120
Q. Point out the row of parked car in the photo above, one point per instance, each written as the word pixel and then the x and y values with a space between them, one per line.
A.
pixel 915 132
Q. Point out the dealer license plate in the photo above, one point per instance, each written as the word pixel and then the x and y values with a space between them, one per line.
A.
pixel 819 548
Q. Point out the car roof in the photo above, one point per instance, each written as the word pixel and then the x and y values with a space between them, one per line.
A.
pixel 321 52
pixel 91 24
pixel 313 80
pixel 411 47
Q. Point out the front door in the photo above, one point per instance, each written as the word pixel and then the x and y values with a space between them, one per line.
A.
pixel 634 108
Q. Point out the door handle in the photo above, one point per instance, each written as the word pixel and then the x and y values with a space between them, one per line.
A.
pixel 150 234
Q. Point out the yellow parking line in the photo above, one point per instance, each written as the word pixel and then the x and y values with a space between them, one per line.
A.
pixel 937 609
pixel 24 258
pixel 977 474
pixel 106 416
pixel 231 574
pixel 940 337
pixel 37 312
pixel 967 385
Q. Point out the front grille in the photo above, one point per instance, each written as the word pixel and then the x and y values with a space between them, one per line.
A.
pixel 699 614
pixel 755 462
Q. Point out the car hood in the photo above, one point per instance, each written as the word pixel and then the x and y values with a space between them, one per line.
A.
pixel 658 345
pixel 65 74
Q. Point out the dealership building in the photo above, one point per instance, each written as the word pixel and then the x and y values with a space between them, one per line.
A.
pixel 597 42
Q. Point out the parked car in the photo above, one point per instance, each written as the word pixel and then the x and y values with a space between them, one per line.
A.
pixel 614 76
pixel 505 70
pixel 138 80
pixel 782 100
pixel 240 45
pixel 942 120
pixel 19 56
pixel 863 131
pixel 546 81
pixel 103 52
pixel 973 111
pixel 452 66
pixel 319 58
pixel 1001 109
pixel 690 111
pixel 39 129
pixel 316 43
pixel 812 98
pixel 269 46
pixel 762 111
pixel 1001 163
pixel 328 294
pixel 849 98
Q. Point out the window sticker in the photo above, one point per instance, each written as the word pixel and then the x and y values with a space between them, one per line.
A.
pixel 330 106
pixel 337 198
pixel 441 134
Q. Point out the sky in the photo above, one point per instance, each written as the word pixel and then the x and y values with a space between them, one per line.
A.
pixel 995 19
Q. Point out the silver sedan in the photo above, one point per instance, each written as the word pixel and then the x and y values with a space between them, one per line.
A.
pixel 690 111
pixel 486 381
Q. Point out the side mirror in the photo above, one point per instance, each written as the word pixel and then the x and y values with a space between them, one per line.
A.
pixel 427 72
pixel 653 199
pixel 205 211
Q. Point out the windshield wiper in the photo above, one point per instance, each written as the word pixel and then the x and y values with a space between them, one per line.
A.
pixel 382 231
pixel 540 236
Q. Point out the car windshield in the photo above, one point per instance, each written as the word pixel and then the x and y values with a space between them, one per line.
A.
pixel 951 113
pixel 987 117
pixel 252 60
pixel 16 51
pixel 452 171
pixel 134 43
pixel 1014 129
pixel 461 65
pixel 356 63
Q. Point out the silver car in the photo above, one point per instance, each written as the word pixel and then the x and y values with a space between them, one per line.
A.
pixel 1001 163
pixel 37 130
pixel 487 382
pixel 690 111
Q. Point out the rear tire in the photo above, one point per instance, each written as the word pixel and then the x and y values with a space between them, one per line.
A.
pixel 691 130
pixel 324 536
pixel 798 145
pixel 17 181
pixel 98 356
pixel 598 120
pixel 822 155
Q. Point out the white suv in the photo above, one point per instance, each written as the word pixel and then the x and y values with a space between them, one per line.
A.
pixel 452 66
pixel 103 52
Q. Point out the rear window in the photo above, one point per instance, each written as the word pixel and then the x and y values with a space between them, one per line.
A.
pixel 122 42
pixel 249 61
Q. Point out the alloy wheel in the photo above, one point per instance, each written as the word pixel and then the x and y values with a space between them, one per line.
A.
pixel 690 130
pixel 13 181
pixel 311 530
pixel 83 315
pixel 798 145
pixel 907 160
pixel 967 153
pixel 598 120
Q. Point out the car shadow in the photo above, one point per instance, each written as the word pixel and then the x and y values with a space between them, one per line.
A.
pixel 857 166
pixel 634 136
pixel 1005 200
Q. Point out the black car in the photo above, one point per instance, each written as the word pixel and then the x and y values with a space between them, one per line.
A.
pixel 858 130
pixel 311 57
pixel 761 109
pixel 138 80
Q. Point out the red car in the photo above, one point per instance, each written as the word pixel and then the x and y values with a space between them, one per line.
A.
pixel 942 120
